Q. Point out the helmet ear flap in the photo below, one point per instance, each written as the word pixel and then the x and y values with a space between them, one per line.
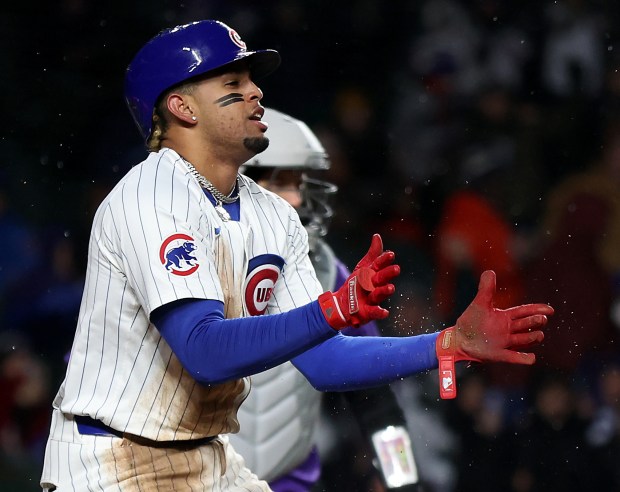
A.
pixel 182 53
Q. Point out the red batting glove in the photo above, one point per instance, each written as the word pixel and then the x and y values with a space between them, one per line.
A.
pixel 357 301
pixel 486 334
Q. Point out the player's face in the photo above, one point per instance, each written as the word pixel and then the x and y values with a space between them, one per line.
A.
pixel 286 183
pixel 229 113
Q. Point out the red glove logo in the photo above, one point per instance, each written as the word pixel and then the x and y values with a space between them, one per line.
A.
pixel 353 306
pixel 357 301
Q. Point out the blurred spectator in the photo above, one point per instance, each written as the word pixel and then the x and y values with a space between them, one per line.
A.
pixel 609 109
pixel 504 132
pixel 45 303
pixel 603 433
pixel 425 122
pixel 405 230
pixel 359 165
pixel 573 57
pixel 577 261
pixel 485 447
pixel 19 252
pixel 573 71
pixel 569 275
pixel 448 34
pixel 346 454
pixel 474 235
pixel 552 455
pixel 605 181
pixel 25 392
pixel 505 46
pixel 425 130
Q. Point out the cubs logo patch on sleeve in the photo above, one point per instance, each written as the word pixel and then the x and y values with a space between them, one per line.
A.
pixel 177 255
pixel 263 273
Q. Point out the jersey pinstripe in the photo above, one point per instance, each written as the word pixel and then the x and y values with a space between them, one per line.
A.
pixel 120 370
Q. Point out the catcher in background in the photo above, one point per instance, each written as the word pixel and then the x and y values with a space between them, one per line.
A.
pixel 278 420
pixel 198 278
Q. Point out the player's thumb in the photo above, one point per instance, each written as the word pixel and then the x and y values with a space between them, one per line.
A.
pixel 486 289
pixel 376 248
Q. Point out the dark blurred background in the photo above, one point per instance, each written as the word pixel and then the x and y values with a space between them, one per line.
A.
pixel 471 134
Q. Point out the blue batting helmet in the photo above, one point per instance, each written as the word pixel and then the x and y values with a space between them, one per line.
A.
pixel 181 53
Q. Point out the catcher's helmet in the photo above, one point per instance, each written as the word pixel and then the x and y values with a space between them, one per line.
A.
pixel 178 54
pixel 292 145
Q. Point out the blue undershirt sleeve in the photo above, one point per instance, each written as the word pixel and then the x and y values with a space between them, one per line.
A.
pixel 214 349
pixel 345 363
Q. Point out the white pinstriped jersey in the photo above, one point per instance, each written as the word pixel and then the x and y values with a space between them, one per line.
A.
pixel 121 371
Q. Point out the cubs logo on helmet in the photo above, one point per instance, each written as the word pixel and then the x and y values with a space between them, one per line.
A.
pixel 176 254
pixel 263 273
pixel 234 35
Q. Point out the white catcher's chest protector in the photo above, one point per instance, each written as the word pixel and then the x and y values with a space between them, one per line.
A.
pixel 277 421
pixel 279 417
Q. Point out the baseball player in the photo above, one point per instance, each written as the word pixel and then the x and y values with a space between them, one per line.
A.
pixel 277 425
pixel 198 278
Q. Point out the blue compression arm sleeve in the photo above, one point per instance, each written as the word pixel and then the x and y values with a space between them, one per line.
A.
pixel 214 349
pixel 345 363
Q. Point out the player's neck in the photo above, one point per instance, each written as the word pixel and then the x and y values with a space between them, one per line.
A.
pixel 221 172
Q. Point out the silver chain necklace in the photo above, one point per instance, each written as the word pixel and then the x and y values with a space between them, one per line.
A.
pixel 220 198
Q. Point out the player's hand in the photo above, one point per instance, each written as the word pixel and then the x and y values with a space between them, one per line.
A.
pixel 484 333
pixel 357 301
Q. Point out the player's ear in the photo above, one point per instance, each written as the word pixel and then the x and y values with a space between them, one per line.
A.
pixel 180 106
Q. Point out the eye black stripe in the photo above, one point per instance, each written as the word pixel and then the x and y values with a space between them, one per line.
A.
pixel 231 98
